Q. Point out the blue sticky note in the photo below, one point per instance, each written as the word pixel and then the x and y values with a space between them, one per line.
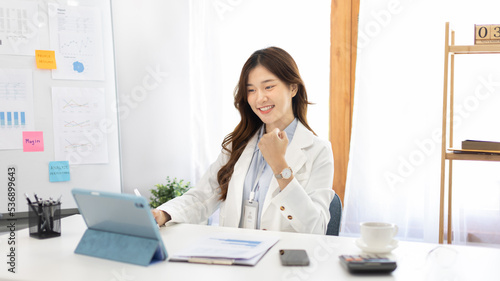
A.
pixel 59 171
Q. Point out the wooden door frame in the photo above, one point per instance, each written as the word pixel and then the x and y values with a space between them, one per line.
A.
pixel 344 33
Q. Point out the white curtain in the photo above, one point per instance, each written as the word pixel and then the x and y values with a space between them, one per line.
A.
pixel 394 166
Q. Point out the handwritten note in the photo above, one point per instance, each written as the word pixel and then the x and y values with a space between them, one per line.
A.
pixel 59 171
pixel 32 141
pixel 45 59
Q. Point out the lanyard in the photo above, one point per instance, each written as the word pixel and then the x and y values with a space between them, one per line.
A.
pixel 256 185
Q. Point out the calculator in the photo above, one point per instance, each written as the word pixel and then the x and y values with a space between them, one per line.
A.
pixel 367 263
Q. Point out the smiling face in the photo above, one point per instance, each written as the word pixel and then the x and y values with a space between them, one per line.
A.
pixel 270 98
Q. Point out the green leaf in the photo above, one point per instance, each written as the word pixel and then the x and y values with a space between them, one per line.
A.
pixel 163 193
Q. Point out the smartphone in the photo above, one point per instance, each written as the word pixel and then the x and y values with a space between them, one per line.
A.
pixel 294 257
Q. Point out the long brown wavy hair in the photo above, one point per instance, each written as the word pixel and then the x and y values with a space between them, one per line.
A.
pixel 281 64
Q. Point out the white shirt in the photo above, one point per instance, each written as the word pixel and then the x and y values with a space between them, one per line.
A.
pixel 259 173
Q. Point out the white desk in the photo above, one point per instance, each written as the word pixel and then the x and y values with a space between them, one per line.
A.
pixel 53 259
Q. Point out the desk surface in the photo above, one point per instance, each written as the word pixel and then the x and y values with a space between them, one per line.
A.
pixel 53 259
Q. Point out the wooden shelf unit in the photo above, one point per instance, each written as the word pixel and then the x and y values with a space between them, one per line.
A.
pixel 472 157
pixel 448 97
pixel 474 49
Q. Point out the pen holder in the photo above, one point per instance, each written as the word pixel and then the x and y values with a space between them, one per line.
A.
pixel 45 220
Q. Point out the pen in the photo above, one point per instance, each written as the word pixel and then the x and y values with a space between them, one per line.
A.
pixel 137 193
pixel 29 203
pixel 39 212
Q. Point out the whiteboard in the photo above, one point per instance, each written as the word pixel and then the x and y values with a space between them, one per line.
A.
pixel 32 168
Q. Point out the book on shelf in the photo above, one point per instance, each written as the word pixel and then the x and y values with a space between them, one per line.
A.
pixel 475 152
pixel 481 145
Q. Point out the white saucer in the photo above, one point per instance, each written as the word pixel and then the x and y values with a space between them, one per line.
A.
pixel 361 244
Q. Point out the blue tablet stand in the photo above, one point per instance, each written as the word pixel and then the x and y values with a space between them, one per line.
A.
pixel 119 247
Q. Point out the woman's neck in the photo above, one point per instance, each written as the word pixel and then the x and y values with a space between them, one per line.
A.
pixel 270 127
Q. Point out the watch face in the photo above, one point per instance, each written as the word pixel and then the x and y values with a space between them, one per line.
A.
pixel 287 173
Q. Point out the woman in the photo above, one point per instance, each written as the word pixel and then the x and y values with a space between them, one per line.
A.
pixel 273 172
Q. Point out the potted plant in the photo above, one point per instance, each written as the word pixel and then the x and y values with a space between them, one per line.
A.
pixel 165 192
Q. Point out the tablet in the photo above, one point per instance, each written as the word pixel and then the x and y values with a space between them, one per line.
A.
pixel 119 227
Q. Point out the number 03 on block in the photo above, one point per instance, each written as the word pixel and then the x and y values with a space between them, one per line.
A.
pixel 487 34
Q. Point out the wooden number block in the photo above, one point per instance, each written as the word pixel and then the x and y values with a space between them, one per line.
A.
pixel 495 32
pixel 482 33
pixel 487 34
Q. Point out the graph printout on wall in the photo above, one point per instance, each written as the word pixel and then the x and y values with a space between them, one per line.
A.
pixel 79 135
pixel 75 35
pixel 19 34
pixel 16 107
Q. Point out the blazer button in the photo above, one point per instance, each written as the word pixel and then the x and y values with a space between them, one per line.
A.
pixel 282 208
pixel 290 217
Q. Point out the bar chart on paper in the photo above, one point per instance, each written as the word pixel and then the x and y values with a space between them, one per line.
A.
pixel 9 119
pixel 16 106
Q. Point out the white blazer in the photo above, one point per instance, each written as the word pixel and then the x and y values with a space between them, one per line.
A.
pixel 301 207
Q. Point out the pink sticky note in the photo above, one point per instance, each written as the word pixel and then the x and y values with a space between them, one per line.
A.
pixel 32 141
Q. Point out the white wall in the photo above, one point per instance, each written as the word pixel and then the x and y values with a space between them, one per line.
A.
pixel 151 65
pixel 174 126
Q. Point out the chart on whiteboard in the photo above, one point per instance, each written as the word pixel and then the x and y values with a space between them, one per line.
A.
pixel 16 106
pixel 18 31
pixel 80 125
pixel 76 38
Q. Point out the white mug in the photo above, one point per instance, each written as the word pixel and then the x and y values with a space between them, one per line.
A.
pixel 378 234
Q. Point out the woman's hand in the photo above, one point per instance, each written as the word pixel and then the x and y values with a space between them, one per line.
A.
pixel 273 148
pixel 160 216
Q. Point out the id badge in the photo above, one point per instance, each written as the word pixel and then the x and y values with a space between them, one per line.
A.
pixel 250 211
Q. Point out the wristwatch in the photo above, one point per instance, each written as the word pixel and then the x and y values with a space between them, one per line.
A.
pixel 285 174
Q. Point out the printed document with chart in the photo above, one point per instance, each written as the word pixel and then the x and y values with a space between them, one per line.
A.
pixel 16 107
pixel 80 133
pixel 77 39
pixel 19 31
pixel 227 249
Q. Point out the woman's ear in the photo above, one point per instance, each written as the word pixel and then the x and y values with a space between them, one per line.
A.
pixel 294 88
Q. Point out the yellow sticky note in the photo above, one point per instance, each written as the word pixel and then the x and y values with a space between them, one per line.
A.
pixel 45 59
